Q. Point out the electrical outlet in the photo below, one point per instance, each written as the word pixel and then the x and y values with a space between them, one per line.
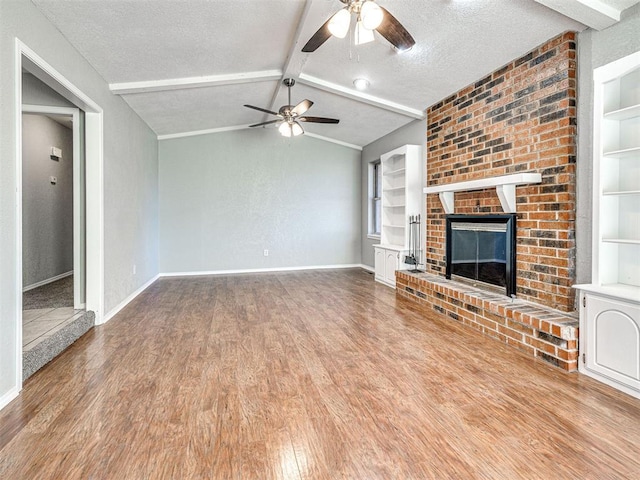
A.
pixel 266 252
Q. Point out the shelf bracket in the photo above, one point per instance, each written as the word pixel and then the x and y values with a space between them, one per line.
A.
pixel 448 201
pixel 507 196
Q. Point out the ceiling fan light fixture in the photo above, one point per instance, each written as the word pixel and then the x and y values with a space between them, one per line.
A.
pixel 339 23
pixel 362 34
pixel 285 129
pixel 296 129
pixel 371 15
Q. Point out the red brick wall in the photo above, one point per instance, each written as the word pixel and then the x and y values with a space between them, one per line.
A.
pixel 521 118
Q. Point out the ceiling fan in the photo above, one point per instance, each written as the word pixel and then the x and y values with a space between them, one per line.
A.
pixel 369 17
pixel 290 116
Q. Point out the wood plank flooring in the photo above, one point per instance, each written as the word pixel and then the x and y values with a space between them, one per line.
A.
pixel 306 375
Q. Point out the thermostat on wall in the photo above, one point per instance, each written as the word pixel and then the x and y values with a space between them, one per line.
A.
pixel 56 153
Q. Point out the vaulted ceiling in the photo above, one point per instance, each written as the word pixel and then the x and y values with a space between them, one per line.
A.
pixel 190 66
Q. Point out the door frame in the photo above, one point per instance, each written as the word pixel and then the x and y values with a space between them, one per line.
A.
pixel 26 59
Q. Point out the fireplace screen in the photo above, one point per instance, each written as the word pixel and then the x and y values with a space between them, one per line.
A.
pixel 482 248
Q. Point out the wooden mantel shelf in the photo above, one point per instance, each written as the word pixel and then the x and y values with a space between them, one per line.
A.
pixel 505 188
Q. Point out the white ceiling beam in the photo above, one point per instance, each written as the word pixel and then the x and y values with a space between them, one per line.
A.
pixel 360 97
pixel 194 82
pixel 596 14
pixel 295 58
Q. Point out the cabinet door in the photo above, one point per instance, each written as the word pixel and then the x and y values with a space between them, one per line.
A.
pixel 613 339
pixel 390 266
pixel 379 263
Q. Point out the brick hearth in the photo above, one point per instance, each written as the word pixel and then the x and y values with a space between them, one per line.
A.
pixel 539 331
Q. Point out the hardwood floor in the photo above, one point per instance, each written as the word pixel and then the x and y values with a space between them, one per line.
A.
pixel 306 375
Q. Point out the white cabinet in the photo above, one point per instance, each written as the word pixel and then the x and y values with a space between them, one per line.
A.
pixel 610 311
pixel 402 183
pixel 610 341
pixel 387 261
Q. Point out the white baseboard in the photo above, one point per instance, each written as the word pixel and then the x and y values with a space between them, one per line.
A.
pixel 7 397
pixel 262 270
pixel 367 268
pixel 127 300
pixel 48 280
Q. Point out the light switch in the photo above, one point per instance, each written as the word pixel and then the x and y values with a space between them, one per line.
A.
pixel 53 180
pixel 56 153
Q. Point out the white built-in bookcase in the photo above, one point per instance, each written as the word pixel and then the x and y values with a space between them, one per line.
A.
pixel 402 182
pixel 610 304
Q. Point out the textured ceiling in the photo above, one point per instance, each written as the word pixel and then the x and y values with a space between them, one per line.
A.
pixel 457 42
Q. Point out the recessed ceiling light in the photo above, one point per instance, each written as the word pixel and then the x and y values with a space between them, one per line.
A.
pixel 361 83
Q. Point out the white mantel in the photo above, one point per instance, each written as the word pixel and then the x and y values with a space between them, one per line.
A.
pixel 505 188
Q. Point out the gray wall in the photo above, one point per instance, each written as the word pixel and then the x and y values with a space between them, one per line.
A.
pixel 47 209
pixel 34 92
pixel 595 49
pixel 130 176
pixel 414 133
pixel 226 197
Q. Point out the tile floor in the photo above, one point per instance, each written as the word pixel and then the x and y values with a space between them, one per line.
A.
pixel 41 323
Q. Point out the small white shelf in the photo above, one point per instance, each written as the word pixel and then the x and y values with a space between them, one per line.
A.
pixel 623 113
pixel 395 172
pixel 505 186
pixel 395 226
pixel 400 205
pixel 628 241
pixel 622 193
pixel 394 189
pixel 624 153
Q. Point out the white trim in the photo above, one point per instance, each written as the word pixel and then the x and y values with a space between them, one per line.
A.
pixel 194 133
pixel 18 222
pixel 47 281
pixel 367 268
pixel 372 236
pixel 77 190
pixel 616 68
pixel 361 97
pixel 260 270
pixel 114 311
pixel 333 140
pixel 194 82
pixel 596 14
pixel 209 131
pixel 8 397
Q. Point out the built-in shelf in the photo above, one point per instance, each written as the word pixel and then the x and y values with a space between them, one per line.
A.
pixel 622 193
pixel 395 172
pixel 623 113
pixel 629 241
pixel 402 180
pixel 505 186
pixel 610 305
pixel 624 153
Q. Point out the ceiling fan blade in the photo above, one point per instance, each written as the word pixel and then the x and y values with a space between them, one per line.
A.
pixel 318 120
pixel 302 107
pixel 266 123
pixel 262 109
pixel 322 35
pixel 394 32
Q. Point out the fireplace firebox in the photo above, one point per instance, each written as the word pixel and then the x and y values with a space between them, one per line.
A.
pixel 482 249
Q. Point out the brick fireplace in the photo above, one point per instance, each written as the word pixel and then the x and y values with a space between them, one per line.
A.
pixel 519 119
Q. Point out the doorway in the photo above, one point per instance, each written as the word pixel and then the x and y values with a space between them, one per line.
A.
pixel 87 289
pixel 52 231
